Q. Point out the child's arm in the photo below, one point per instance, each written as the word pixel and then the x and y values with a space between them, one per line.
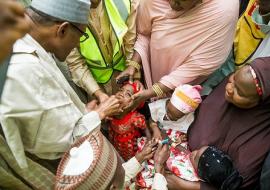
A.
pixel 155 130
pixel 147 133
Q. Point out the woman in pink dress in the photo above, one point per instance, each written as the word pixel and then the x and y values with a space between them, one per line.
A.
pixel 180 42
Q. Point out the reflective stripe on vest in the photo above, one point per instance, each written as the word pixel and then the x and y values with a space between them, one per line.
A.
pixel 248 37
pixel 118 12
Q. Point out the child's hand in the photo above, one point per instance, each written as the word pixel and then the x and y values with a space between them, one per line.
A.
pixel 147 151
pixel 156 131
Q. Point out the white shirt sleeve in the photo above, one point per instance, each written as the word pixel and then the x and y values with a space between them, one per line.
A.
pixel 159 182
pixel 132 167
pixel 86 124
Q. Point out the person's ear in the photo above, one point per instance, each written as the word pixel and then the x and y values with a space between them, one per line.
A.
pixel 63 30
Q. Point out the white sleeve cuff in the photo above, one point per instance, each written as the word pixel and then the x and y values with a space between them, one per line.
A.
pixel 132 167
pixel 86 124
pixel 160 182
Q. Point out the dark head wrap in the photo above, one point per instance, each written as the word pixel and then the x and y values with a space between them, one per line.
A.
pixel 261 66
pixel 216 168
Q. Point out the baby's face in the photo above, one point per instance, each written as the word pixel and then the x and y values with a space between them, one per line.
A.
pixel 125 93
pixel 195 156
pixel 241 89
pixel 172 112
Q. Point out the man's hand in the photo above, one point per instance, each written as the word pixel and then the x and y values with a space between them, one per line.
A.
pixel 129 71
pixel 13 25
pixel 108 108
pixel 161 156
pixel 90 106
pixel 138 98
pixel 101 96
pixel 147 151
pixel 140 86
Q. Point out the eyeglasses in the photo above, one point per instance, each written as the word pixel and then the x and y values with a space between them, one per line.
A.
pixel 84 36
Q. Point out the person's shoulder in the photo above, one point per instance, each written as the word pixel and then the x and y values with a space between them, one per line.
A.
pixel 219 12
pixel 226 7
pixel 23 53
pixel 24 61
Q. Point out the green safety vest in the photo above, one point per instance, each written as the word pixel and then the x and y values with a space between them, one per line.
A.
pixel 118 12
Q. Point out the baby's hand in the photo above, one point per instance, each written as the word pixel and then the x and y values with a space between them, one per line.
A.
pixel 147 151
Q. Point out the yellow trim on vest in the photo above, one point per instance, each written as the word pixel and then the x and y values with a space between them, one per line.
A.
pixel 248 36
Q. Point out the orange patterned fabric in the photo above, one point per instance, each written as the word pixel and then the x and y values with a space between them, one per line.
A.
pixel 123 133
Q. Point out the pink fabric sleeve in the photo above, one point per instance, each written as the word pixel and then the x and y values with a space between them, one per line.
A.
pixel 142 47
pixel 144 18
pixel 206 58
pixel 144 27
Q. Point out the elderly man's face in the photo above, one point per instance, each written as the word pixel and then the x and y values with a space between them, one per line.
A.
pixel 68 37
pixel 179 5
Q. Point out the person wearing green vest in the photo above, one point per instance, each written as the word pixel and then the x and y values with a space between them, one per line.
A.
pixel 96 62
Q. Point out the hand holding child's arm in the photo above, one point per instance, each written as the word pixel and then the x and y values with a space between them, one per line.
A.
pixel 108 108
pixel 156 131
pixel 147 151
pixel 161 156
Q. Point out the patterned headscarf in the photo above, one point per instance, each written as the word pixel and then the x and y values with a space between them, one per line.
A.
pixel 216 168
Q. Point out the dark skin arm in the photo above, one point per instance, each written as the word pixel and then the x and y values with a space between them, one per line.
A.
pixel 131 70
pixel 176 183
pixel 144 95
pixel 147 133
pixel 13 25
pixel 156 133
pixel 147 152
pixel 161 156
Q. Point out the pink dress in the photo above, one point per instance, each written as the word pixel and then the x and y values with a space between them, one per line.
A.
pixel 184 47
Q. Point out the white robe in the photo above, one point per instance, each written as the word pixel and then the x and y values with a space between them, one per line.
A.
pixel 39 111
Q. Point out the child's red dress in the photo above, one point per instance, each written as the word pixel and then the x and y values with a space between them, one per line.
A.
pixel 123 133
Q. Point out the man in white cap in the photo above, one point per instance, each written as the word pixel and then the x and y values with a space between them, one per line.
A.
pixel 40 113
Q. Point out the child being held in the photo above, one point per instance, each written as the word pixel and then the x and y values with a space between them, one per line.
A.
pixel 175 115
pixel 125 130
pixel 207 164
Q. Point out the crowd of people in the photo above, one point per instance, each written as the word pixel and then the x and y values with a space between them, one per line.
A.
pixel 135 94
